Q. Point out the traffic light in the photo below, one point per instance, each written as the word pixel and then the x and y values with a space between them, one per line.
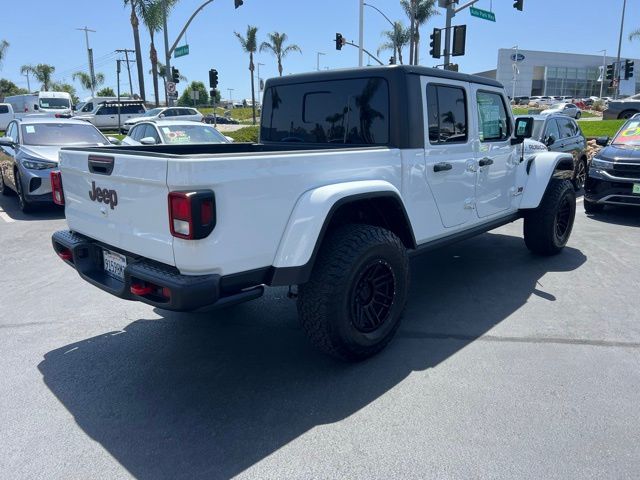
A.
pixel 459 40
pixel 213 78
pixel 628 69
pixel 340 41
pixel 611 68
pixel 436 43
pixel 392 61
pixel 175 75
pixel 238 3
pixel 518 4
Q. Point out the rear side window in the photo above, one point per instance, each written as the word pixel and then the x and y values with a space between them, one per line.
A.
pixel 338 111
pixel 447 114
pixel 492 117
pixel 4 109
pixel 131 109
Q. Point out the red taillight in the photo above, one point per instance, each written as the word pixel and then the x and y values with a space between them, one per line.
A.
pixel 65 254
pixel 191 214
pixel 56 188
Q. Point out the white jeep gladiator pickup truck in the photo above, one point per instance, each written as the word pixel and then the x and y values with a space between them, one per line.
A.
pixel 355 169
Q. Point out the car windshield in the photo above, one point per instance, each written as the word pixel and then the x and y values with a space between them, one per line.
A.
pixel 153 112
pixel 57 134
pixel 174 134
pixel 54 103
pixel 629 135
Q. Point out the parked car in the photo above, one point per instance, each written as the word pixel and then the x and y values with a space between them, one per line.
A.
pixel 29 152
pixel 569 109
pixel 560 133
pixel 52 104
pixel 170 113
pixel 6 115
pixel 622 109
pixel 105 115
pixel 521 100
pixel 172 132
pixel 354 169
pixel 542 101
pixel 211 119
pixel 91 103
pixel 614 176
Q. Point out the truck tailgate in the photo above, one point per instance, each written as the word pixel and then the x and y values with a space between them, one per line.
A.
pixel 120 200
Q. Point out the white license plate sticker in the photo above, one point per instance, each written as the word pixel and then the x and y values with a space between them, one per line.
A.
pixel 114 264
pixel 636 188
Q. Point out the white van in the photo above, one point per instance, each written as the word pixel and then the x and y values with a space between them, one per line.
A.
pixel 50 104
pixel 6 115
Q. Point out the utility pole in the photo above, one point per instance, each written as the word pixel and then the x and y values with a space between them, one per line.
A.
pixel 604 70
pixel 318 60
pixel 118 77
pixel 28 82
pixel 167 52
pixel 92 74
pixel 126 56
pixel 619 67
pixel 361 36
pixel 230 97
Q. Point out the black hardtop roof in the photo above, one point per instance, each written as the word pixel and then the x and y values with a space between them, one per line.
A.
pixel 383 71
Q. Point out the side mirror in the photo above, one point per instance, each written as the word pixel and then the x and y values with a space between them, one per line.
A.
pixel 114 141
pixel 231 139
pixel 161 115
pixel 602 141
pixel 550 140
pixel 148 141
pixel 7 142
pixel 524 129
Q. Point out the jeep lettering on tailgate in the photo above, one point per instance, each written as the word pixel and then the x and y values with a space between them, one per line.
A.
pixel 104 195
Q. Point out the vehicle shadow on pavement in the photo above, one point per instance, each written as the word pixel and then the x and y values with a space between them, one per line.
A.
pixel 619 215
pixel 9 205
pixel 209 395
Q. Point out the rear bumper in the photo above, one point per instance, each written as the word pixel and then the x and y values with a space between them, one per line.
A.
pixel 186 292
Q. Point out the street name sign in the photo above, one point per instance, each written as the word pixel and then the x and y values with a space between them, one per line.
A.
pixel 483 14
pixel 181 51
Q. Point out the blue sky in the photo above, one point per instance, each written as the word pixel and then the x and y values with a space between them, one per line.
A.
pixel 43 31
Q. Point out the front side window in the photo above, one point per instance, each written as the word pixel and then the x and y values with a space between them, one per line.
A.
pixel 351 112
pixel 567 128
pixel 551 133
pixel 492 117
pixel 447 114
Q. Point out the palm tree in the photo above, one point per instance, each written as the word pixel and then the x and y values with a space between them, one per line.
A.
pixel 162 73
pixel 42 72
pixel 87 83
pixel 419 12
pixel 250 45
pixel 136 39
pixel 4 46
pixel 276 46
pixel 397 39
pixel 152 16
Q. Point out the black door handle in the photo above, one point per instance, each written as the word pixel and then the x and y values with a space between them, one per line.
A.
pixel 485 162
pixel 442 166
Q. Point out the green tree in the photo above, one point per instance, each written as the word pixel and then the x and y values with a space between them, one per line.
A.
pixel 186 100
pixel 397 39
pixel 66 87
pixel 106 92
pixel 4 46
pixel 42 72
pixel 136 40
pixel 249 44
pixel 86 82
pixel 275 45
pixel 8 88
pixel 419 12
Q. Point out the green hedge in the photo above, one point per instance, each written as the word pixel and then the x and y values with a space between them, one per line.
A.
pixel 602 128
pixel 245 134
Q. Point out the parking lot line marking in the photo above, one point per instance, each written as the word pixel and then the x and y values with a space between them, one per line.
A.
pixel 580 199
pixel 5 217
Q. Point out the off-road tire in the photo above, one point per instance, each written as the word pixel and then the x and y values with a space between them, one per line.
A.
pixel 331 304
pixel 592 207
pixel 548 228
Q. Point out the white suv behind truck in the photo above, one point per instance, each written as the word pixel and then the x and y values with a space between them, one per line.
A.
pixel 355 169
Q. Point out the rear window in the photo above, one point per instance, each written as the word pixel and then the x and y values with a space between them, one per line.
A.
pixel 4 109
pixel 339 111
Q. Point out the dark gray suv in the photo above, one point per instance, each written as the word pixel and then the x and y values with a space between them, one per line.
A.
pixel 561 133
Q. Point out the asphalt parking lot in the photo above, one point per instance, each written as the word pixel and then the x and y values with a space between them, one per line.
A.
pixel 506 366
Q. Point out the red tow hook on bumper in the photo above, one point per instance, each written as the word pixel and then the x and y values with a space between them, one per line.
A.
pixel 65 254
pixel 141 289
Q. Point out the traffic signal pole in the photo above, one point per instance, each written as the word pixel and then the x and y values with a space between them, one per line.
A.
pixel 167 52
pixel 451 12
pixel 624 7
pixel 361 36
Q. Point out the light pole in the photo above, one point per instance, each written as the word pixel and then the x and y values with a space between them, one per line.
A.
pixel 361 36
pixel 259 84
pixel 603 74
pixel 393 29
pixel 90 57
pixel 318 60
pixel 515 72
pixel 230 96
pixel 624 7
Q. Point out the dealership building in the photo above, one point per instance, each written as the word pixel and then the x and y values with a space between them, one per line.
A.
pixel 555 73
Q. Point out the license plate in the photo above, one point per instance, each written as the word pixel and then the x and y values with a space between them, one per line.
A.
pixel 114 264
pixel 636 188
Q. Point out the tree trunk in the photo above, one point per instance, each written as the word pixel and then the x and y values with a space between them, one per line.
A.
pixel 253 88
pixel 280 66
pixel 154 69
pixel 166 96
pixel 400 55
pixel 136 41
pixel 416 57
